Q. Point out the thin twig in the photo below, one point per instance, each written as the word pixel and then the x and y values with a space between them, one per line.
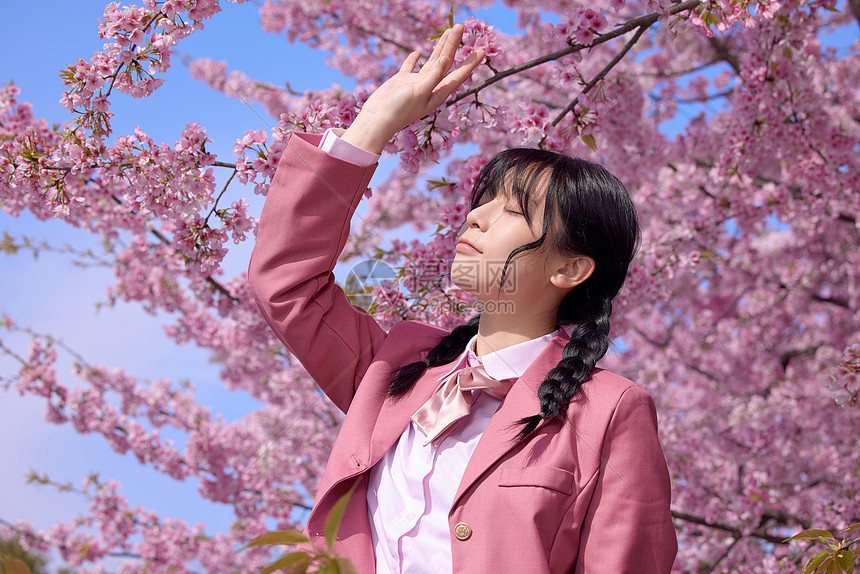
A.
pixel 601 74
pixel 217 199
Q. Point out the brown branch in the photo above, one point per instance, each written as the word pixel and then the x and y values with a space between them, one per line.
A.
pixel 785 518
pixel 646 21
pixel 217 199
pixel 403 47
pixel 699 100
pixel 707 375
pixel 684 72
pixel 32 536
pixel 723 54
pixel 601 74
pixel 161 237
pixel 760 533
pixel 855 9
pixel 215 284
pixel 786 357
pixel 833 300
pixel 722 556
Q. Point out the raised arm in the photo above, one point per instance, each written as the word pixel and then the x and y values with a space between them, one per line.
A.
pixel 305 224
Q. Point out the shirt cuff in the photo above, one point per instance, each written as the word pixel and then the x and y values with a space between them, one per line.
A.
pixel 336 147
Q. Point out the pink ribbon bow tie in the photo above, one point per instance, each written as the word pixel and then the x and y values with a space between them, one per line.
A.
pixel 452 401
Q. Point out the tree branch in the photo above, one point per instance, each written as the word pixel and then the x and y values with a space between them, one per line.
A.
pixel 786 357
pixel 645 21
pixel 601 74
pixel 833 300
pixel 403 47
pixel 215 284
pixel 723 54
pixel 701 99
pixel 854 5
pixel 734 531
pixel 722 556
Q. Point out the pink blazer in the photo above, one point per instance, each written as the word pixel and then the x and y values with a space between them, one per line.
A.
pixel 589 495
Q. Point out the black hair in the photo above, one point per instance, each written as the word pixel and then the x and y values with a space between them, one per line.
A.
pixel 587 211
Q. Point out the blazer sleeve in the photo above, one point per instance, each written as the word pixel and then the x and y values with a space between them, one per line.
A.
pixel 628 527
pixel 302 232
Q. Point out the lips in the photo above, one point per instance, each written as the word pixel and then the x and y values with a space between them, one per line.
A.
pixel 466 247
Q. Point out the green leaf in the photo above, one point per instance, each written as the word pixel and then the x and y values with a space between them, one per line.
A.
pixel 294 559
pixel 811 535
pixel 334 518
pixel 437 32
pixel 815 562
pixel 345 566
pixel 589 140
pixel 828 564
pixel 277 537
pixel 845 559
pixel 14 566
pixel 851 527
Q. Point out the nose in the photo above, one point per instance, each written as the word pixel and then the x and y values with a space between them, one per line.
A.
pixel 478 217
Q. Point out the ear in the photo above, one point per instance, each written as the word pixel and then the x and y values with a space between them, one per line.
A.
pixel 571 271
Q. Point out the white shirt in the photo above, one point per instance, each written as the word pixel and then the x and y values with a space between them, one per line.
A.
pixel 411 490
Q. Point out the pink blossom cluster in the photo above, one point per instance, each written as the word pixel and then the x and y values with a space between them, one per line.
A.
pixel 844 381
pixel 580 25
pixel 157 544
pixel 741 300
pixel 479 36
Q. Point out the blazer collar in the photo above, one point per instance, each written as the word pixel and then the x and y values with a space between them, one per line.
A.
pixel 396 414
pixel 521 401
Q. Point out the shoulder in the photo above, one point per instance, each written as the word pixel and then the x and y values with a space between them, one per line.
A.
pixel 606 388
pixel 417 328
pixel 608 400
pixel 408 341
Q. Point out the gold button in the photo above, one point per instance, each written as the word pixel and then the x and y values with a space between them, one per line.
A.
pixel 462 531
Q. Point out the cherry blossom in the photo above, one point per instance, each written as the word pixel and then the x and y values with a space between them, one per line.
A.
pixel 733 124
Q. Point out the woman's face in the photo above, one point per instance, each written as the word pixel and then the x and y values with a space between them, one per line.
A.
pixel 494 229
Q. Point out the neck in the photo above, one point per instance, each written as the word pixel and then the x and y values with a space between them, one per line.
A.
pixel 497 331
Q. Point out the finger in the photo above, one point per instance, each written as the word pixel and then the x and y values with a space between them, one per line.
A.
pixel 443 56
pixel 443 52
pixel 409 63
pixel 453 80
pixel 438 47
pixel 452 42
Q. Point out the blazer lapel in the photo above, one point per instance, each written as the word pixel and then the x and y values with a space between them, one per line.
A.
pixel 396 414
pixel 521 401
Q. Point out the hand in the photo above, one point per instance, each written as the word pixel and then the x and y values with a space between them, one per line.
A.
pixel 408 96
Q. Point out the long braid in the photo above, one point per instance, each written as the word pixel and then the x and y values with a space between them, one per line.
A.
pixel 445 351
pixel 596 219
pixel 589 342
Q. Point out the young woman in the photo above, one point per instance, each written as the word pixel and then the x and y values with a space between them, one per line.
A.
pixel 497 447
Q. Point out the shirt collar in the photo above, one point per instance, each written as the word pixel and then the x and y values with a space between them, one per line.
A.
pixel 508 363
